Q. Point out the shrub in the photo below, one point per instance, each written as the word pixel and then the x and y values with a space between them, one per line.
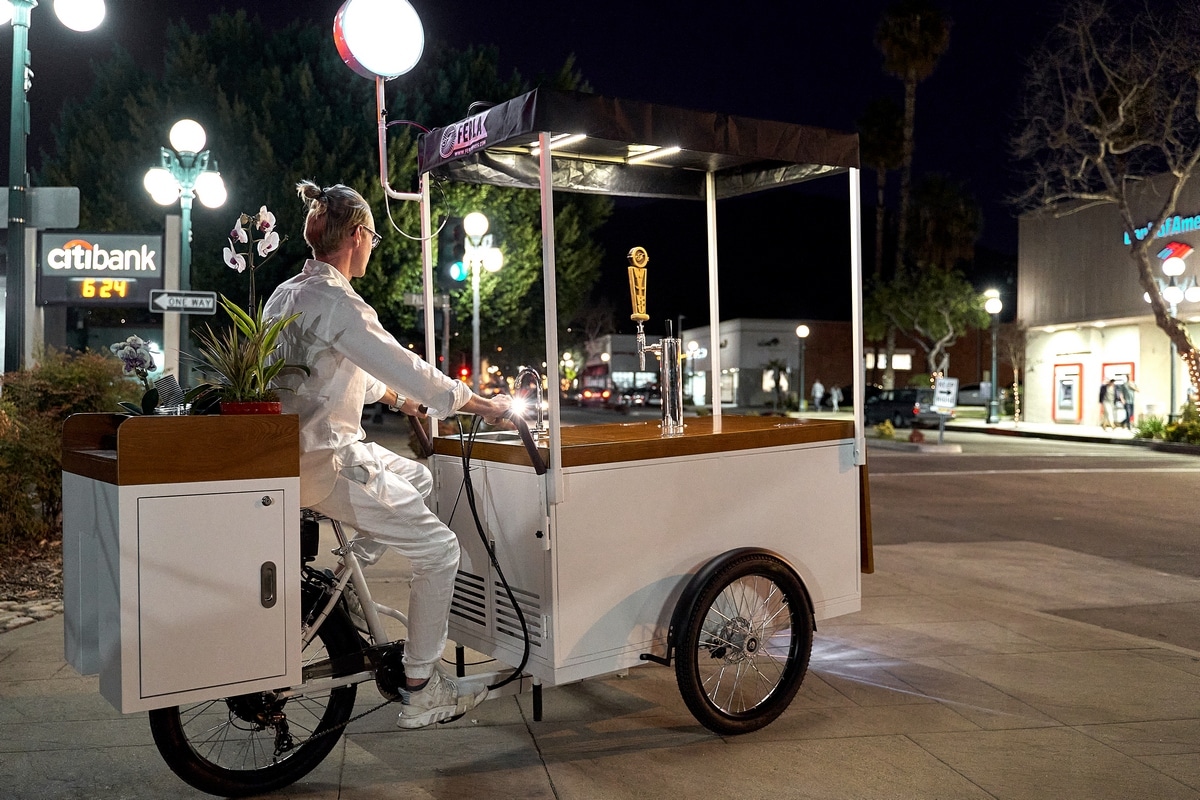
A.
pixel 884 430
pixel 35 404
pixel 1150 427
pixel 1187 428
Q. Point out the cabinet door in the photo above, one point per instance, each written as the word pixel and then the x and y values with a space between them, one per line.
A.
pixel 205 614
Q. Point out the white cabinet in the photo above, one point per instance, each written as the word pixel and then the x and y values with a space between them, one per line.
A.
pixel 181 568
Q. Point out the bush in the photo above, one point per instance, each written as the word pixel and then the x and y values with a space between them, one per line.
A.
pixel 35 404
pixel 884 430
pixel 1150 427
pixel 1187 428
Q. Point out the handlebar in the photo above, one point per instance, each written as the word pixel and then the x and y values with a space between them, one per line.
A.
pixel 422 435
pixel 535 457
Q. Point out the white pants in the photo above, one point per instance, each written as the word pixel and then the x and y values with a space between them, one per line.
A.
pixel 383 498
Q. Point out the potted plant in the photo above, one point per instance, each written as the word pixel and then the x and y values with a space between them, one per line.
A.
pixel 241 362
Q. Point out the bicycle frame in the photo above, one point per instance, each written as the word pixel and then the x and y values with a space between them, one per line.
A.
pixel 349 571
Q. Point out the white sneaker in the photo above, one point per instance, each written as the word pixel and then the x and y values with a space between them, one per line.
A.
pixel 438 701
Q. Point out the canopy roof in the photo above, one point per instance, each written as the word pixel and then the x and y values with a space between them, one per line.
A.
pixel 498 147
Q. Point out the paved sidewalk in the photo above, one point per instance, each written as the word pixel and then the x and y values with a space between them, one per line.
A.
pixel 954 681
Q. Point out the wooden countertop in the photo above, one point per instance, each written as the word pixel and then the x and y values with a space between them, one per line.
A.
pixel 125 450
pixel 635 441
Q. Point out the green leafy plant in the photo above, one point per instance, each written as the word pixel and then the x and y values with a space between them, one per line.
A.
pixel 885 430
pixel 241 361
pixel 1187 428
pixel 1150 427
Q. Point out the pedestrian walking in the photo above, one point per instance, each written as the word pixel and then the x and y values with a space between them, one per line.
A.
pixel 1128 390
pixel 818 393
pixel 835 396
pixel 1108 404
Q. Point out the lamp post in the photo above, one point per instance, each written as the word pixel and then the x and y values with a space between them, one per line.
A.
pixel 479 253
pixel 802 332
pixel 993 306
pixel 186 170
pixel 1176 288
pixel 81 15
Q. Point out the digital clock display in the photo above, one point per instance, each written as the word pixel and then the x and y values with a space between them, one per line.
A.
pixel 104 289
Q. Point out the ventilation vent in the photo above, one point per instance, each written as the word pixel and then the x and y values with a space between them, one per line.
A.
pixel 507 622
pixel 469 601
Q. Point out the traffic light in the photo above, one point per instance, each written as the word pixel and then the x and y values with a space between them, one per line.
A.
pixel 464 374
pixel 452 248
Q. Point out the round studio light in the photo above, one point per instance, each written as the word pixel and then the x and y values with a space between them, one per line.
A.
pixel 378 38
pixel 80 15
pixel 187 136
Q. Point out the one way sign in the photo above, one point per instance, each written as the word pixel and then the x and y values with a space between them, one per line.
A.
pixel 162 300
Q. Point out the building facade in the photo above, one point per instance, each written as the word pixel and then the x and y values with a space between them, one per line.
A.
pixel 1085 312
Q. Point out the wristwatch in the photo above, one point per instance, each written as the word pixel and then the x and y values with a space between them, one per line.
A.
pixel 400 401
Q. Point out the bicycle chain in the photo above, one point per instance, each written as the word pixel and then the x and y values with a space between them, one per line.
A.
pixel 342 726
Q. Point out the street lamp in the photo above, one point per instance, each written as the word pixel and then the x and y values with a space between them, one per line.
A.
pixel 1175 289
pixel 479 253
pixel 186 170
pixel 802 332
pixel 78 15
pixel 993 306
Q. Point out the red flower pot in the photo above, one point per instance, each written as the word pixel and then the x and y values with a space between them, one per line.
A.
pixel 251 407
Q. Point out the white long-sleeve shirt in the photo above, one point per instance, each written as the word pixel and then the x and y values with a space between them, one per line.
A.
pixel 352 361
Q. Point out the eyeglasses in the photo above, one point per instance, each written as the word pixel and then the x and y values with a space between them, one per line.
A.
pixel 375 237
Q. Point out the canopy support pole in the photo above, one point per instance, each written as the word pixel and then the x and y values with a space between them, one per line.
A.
pixel 714 300
pixel 856 318
pixel 554 475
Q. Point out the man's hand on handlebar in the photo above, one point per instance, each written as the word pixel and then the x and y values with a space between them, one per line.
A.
pixel 413 408
pixel 491 409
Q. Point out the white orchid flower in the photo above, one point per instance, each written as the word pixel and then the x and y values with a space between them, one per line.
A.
pixel 234 260
pixel 237 234
pixel 266 221
pixel 268 244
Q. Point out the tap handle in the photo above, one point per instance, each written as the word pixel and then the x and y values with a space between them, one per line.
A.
pixel 638 258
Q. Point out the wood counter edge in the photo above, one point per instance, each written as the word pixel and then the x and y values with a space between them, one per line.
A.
pixel 153 449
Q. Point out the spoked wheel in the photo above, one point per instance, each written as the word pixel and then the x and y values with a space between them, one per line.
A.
pixel 257 743
pixel 744 645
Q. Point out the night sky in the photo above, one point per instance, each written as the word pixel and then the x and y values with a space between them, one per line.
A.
pixel 805 62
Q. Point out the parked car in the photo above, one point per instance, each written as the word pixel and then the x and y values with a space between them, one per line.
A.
pixel 979 394
pixel 595 396
pixel 642 396
pixel 904 407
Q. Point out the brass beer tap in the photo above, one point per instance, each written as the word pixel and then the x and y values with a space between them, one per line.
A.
pixel 670 373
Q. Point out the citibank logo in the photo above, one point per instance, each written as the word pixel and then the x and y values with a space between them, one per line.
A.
pixel 80 255
pixel 464 137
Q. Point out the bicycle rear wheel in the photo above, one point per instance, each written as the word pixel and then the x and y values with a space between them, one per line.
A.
pixel 256 743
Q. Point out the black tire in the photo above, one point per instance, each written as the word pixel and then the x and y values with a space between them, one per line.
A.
pixel 227 747
pixel 898 420
pixel 743 650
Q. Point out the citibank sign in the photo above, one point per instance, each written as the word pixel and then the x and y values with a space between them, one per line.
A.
pixel 100 254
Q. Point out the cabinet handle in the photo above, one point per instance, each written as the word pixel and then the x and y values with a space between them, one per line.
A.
pixel 266 501
pixel 266 575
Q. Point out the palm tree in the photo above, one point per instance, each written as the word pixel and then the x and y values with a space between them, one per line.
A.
pixel 912 36
pixel 881 145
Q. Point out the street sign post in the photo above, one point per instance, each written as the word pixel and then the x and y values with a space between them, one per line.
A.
pixel 163 300
pixel 945 398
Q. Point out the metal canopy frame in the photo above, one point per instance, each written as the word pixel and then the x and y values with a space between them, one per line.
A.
pixel 571 141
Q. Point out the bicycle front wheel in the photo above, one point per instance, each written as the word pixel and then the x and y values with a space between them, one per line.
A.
pixel 256 743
